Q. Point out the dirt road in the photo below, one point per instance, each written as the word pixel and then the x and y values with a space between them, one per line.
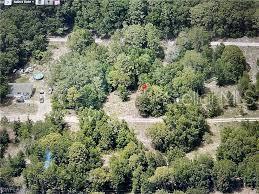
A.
pixel 130 119
pixel 58 39
pixel 240 44
pixel 231 120
pixel 210 121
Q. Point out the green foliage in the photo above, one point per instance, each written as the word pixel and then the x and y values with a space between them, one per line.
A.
pixel 223 18
pixel 174 154
pixel 122 72
pixel 195 38
pixel 182 173
pixel 257 84
pixel 72 158
pixel 218 52
pixel 231 100
pixel 196 191
pixel 251 98
pixel 161 192
pixel 133 51
pixel 3 87
pixel 244 83
pixel 152 102
pixel 230 66
pixel 4 140
pixel 87 85
pixel 106 133
pixel 132 166
pixel 238 142
pixel 137 11
pixel 187 80
pixel 17 164
pixel 22 35
pixel 184 127
pixel 197 62
pixel 133 58
pixel 100 179
pixel 224 173
pixel 123 93
pixel 80 39
pixel 213 107
pixel 248 171
pixel 82 157
pixel 248 91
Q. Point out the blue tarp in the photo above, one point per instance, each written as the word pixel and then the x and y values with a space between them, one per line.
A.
pixel 47 159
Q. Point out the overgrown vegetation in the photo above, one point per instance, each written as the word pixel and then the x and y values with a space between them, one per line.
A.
pixel 55 160
pixel 23 34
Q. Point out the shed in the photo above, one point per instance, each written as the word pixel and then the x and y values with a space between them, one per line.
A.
pixel 18 90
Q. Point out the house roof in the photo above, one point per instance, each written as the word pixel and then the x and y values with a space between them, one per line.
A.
pixel 23 88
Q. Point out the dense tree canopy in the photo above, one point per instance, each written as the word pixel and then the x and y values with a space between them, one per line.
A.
pixel 87 85
pixel 237 143
pixel 80 39
pixel 225 18
pixel 184 127
pixel 23 31
pixel 231 65
pixel 104 155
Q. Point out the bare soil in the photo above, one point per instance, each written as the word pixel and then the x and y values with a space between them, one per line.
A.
pixel 127 111
pixel 72 120
pixel 242 191
pixel 115 107
pixel 210 148
pixel 252 54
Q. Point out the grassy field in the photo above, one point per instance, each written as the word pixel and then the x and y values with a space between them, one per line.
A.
pixel 22 79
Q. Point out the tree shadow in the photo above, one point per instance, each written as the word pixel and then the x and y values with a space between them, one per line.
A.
pixel 4 102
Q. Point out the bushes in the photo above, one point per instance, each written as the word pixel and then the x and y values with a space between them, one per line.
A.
pixel 182 173
pixel 184 127
pixel 219 16
pixel 224 173
pixel 87 85
pixel 224 19
pixel 152 102
pixel 17 164
pixel 230 66
pixel 79 40
pixel 4 140
pixel 248 91
pixel 248 171
pixel 238 142
pixel 108 134
pixel 213 107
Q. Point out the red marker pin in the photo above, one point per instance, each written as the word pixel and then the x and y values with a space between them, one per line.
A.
pixel 144 87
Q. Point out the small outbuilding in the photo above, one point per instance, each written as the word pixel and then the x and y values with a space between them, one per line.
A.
pixel 20 90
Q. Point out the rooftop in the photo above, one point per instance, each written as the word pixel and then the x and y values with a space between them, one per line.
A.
pixel 21 88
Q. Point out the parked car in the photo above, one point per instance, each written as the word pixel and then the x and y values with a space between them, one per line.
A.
pixel 41 91
pixel 20 99
pixel 50 90
pixel 41 99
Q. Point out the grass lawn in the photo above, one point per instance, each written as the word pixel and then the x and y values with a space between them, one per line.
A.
pixel 22 79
